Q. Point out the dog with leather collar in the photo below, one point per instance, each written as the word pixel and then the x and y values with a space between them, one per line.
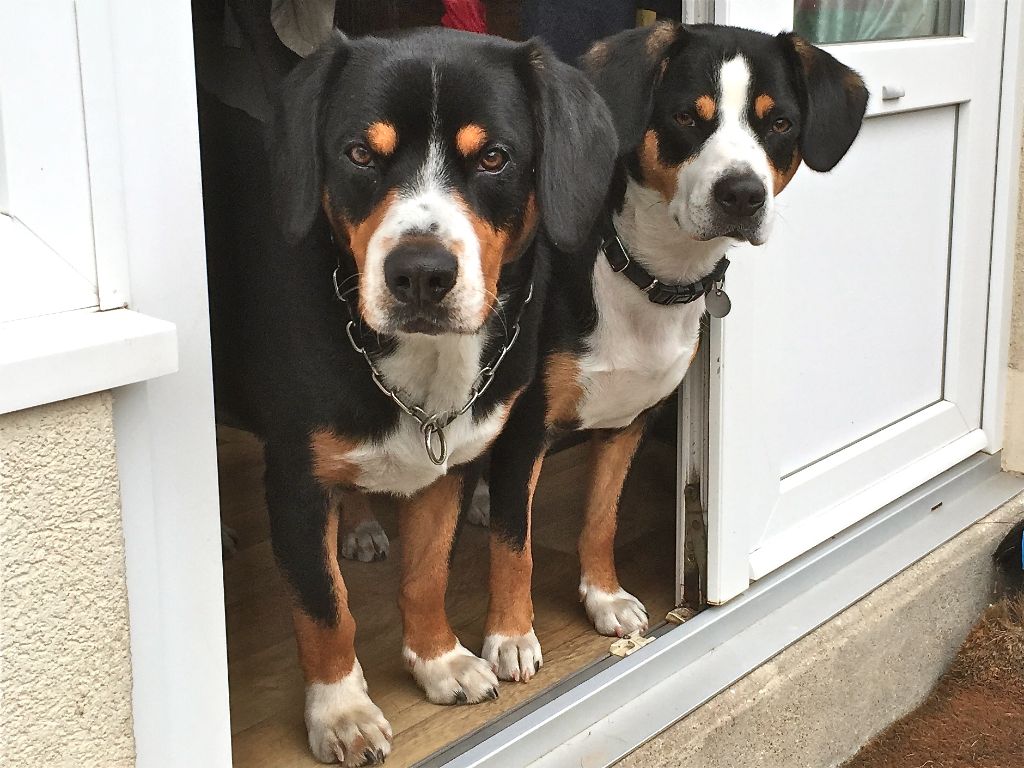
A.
pixel 377 284
pixel 713 123
pixel 659 291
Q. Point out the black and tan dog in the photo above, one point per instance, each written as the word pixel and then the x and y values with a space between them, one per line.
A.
pixel 714 121
pixel 426 182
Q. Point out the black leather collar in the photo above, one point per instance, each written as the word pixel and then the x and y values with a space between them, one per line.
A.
pixel 665 294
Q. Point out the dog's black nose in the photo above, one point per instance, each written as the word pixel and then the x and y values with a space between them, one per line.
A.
pixel 739 195
pixel 420 271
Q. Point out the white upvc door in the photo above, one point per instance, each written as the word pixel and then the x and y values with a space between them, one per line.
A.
pixel 852 366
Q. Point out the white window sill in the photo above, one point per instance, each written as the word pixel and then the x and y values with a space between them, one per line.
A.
pixel 56 357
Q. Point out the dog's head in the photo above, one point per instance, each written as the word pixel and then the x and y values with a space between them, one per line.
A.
pixel 435 156
pixel 718 119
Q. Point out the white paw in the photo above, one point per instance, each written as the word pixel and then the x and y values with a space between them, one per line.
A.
pixel 479 512
pixel 344 726
pixel 515 657
pixel 366 542
pixel 615 614
pixel 455 677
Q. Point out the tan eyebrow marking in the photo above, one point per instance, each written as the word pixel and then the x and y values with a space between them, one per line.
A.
pixel 706 107
pixel 763 105
pixel 383 137
pixel 470 139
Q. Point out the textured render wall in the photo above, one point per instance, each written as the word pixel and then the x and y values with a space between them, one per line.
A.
pixel 65 673
pixel 1013 446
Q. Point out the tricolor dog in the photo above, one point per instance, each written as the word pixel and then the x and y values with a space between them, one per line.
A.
pixel 426 183
pixel 713 123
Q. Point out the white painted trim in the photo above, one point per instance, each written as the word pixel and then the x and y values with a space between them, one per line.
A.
pixel 1004 228
pixel 55 357
pixel 771 16
pixel 778 550
pixel 729 525
pixel 99 101
pixel 34 279
pixel 166 441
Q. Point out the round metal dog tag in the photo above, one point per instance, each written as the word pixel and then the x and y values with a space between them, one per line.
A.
pixel 718 303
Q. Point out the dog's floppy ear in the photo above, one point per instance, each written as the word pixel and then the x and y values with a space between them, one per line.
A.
pixel 576 145
pixel 297 165
pixel 625 69
pixel 834 100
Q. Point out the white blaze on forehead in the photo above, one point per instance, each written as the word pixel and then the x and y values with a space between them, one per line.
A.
pixel 733 91
pixel 732 147
pixel 432 174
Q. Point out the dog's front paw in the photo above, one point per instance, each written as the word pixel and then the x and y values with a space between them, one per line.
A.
pixel 366 542
pixel 479 512
pixel 454 677
pixel 344 725
pixel 514 657
pixel 615 614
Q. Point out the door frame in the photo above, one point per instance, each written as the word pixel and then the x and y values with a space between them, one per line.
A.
pixel 144 91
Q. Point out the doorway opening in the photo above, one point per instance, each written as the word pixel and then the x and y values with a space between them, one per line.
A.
pixel 266 686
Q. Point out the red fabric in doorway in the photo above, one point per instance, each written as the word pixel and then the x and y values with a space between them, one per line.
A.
pixel 469 15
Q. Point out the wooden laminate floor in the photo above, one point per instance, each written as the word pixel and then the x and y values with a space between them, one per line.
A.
pixel 265 682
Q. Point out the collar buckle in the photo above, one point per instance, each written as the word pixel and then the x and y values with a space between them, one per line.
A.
pixel 618 258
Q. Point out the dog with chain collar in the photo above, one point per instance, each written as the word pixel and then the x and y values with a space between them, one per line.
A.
pixel 377 340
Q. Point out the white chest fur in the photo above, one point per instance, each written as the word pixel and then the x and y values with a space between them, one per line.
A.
pixel 436 373
pixel 639 351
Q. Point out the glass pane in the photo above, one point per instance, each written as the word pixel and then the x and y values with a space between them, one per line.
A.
pixel 848 21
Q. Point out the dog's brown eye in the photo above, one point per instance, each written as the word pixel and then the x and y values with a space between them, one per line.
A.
pixel 360 155
pixel 781 125
pixel 493 160
pixel 685 119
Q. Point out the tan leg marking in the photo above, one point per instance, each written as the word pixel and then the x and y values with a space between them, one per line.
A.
pixel 326 653
pixel 511 605
pixel 355 509
pixel 610 462
pixel 562 387
pixel 426 525
pixel 342 723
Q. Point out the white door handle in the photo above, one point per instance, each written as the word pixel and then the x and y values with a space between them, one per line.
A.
pixel 891 92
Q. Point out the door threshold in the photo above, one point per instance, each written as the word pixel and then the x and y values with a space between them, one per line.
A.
pixel 621 703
